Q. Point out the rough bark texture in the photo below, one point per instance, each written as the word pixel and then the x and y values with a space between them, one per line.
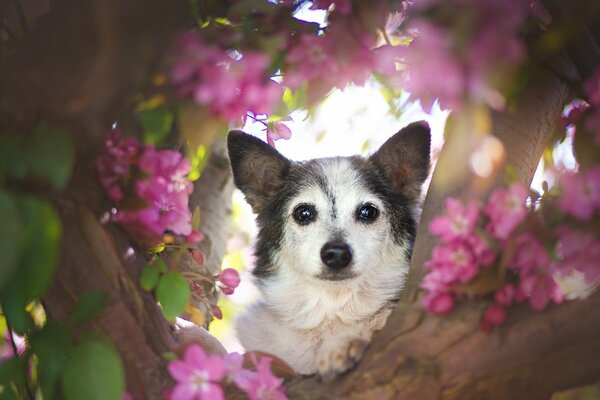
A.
pixel 417 356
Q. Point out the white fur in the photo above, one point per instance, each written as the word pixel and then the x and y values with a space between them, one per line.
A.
pixel 304 319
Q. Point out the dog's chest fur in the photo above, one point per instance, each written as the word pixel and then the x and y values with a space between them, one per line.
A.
pixel 334 242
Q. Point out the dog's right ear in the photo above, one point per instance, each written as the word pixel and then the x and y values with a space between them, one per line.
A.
pixel 258 169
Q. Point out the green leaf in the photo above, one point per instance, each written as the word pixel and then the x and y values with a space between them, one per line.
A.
pixel 52 346
pixel 93 371
pixel 10 236
pixel 157 123
pixel 10 371
pixel 149 276
pixel 13 307
pixel 12 149
pixel 162 267
pixel 173 293
pixel 89 304
pixel 42 246
pixel 50 155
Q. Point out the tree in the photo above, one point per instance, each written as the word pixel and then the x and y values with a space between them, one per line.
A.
pixel 62 91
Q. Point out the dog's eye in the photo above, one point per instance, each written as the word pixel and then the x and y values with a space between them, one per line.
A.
pixel 304 213
pixel 367 213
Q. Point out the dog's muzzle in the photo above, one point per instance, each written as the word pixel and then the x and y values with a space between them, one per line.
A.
pixel 336 255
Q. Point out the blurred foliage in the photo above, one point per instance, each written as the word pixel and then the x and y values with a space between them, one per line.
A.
pixel 38 353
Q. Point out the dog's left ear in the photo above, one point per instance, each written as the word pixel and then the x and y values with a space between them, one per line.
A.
pixel 258 169
pixel 404 158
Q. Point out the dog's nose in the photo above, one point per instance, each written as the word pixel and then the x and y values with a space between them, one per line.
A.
pixel 336 255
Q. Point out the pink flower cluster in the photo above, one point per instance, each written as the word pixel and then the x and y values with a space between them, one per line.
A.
pixel 199 376
pixel 466 251
pixel 346 53
pixel 452 64
pixel 581 193
pixel 150 187
pixel 228 83
pixel 578 251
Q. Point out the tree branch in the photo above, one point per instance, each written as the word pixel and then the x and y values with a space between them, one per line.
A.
pixel 523 131
pixel 422 356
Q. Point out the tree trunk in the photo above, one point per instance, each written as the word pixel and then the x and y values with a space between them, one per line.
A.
pixel 80 66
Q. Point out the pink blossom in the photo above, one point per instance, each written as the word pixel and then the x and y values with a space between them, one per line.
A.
pixel 115 161
pixel 151 185
pixel 578 251
pixel 505 295
pixel 494 315
pixel 452 64
pixel 438 280
pixel 342 55
pixel 484 256
pixel 227 83
pixel 227 290
pixel 433 70
pixel 455 260
pixel 438 303
pixel 263 385
pixel 540 288
pixel 195 237
pixel 217 313
pixel 457 223
pixel 230 277
pixel 506 210
pixel 197 375
pixel 279 131
pixel 529 254
pixel 580 193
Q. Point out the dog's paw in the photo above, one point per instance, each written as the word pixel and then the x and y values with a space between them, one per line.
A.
pixel 339 357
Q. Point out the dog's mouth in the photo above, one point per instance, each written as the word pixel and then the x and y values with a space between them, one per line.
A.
pixel 336 276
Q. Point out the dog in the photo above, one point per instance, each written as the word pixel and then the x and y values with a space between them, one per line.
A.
pixel 335 236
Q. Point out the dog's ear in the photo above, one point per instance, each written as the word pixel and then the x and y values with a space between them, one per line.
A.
pixel 404 158
pixel 258 169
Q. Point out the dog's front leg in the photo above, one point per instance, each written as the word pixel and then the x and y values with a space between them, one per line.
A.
pixel 340 353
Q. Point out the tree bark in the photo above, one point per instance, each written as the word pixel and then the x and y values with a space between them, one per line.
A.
pixel 419 356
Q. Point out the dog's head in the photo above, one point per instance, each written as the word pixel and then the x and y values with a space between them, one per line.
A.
pixel 333 220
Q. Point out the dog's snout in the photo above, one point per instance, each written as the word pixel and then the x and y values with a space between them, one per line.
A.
pixel 336 255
